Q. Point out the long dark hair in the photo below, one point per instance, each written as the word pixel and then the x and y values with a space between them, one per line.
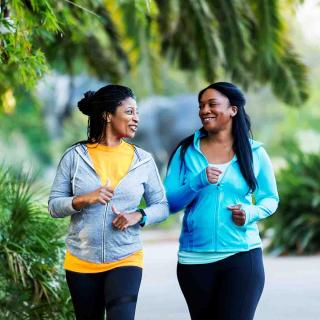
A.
pixel 96 104
pixel 241 132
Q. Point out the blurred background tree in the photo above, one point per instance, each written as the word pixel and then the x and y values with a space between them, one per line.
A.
pixel 248 40
pixel 166 47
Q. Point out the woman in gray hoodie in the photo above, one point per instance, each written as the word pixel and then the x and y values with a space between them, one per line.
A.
pixel 99 184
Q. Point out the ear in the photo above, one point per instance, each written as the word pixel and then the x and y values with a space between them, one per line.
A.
pixel 107 116
pixel 234 111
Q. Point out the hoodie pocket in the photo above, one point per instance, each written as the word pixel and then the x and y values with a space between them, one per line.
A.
pixel 76 225
pixel 230 235
pixel 133 231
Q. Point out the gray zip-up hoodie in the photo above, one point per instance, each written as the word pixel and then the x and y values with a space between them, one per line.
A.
pixel 91 236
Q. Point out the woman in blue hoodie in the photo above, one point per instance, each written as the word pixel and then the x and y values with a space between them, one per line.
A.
pixel 224 182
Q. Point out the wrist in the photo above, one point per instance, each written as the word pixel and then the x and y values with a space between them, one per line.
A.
pixel 76 203
pixel 137 216
pixel 143 218
pixel 82 201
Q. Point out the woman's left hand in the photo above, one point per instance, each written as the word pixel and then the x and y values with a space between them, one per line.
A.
pixel 238 215
pixel 125 220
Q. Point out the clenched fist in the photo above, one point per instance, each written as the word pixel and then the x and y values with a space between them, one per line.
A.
pixel 213 174
pixel 238 215
pixel 124 220
pixel 102 195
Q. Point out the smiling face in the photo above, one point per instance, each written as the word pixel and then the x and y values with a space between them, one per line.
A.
pixel 124 122
pixel 215 111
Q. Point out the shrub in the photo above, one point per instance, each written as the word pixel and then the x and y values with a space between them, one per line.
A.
pixel 296 225
pixel 31 250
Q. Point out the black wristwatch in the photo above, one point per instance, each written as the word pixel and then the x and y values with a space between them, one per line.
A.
pixel 143 220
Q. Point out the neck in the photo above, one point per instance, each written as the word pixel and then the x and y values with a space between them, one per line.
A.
pixel 221 137
pixel 110 140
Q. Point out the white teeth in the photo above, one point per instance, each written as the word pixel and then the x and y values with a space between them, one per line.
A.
pixel 208 119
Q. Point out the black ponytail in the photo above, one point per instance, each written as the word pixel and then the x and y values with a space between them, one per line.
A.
pixel 241 131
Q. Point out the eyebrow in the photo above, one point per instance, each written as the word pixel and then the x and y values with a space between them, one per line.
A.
pixel 132 107
pixel 210 100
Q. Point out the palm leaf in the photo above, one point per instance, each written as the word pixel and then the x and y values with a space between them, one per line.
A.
pixel 30 249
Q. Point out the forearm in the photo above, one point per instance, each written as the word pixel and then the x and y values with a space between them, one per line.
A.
pixel 81 201
pixel 180 196
pixel 157 213
pixel 261 210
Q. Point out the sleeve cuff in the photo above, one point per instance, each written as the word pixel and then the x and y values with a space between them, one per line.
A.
pixel 199 181
pixel 249 210
pixel 71 208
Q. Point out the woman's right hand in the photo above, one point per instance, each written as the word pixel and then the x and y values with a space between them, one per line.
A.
pixel 102 195
pixel 213 174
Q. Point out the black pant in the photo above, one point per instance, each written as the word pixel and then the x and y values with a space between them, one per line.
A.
pixel 115 291
pixel 228 289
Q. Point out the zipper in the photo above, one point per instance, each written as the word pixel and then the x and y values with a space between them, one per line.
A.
pixel 218 205
pixel 218 186
pixel 103 228
pixel 216 219
pixel 131 169
pixel 107 205
pixel 89 163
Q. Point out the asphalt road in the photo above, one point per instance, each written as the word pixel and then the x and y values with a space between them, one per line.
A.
pixel 292 289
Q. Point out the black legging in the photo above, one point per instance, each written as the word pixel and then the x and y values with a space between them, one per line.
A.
pixel 228 289
pixel 115 291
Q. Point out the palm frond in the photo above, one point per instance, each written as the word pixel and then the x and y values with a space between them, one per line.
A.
pixel 30 249
pixel 289 79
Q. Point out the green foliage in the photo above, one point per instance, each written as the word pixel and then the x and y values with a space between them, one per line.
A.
pixel 248 39
pixel 31 281
pixel 44 33
pixel 296 225
pixel 21 61
pixel 245 41
pixel 27 122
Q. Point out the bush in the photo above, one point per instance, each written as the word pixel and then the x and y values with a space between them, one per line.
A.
pixel 296 225
pixel 32 283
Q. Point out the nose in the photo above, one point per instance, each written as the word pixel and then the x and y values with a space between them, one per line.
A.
pixel 205 109
pixel 136 117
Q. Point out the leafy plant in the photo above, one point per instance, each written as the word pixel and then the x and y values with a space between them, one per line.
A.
pixel 31 281
pixel 246 41
pixel 296 225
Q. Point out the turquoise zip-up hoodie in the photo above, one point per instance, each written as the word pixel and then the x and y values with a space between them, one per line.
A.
pixel 207 223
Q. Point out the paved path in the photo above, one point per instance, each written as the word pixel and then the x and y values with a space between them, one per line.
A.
pixel 292 290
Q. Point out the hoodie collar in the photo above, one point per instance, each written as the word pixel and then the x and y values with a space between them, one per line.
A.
pixel 255 144
pixel 82 150
pixel 200 134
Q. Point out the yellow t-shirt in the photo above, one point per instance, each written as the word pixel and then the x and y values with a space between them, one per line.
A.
pixel 110 163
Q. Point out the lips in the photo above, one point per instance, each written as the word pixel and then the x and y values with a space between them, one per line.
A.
pixel 133 128
pixel 208 119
